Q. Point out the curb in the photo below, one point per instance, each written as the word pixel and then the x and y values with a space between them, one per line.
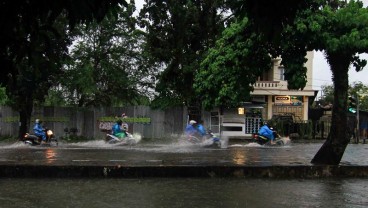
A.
pixel 118 171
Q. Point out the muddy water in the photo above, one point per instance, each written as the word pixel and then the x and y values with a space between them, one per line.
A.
pixel 182 192
pixel 179 192
pixel 174 152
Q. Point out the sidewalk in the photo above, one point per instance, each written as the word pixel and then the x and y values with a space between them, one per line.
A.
pixel 96 159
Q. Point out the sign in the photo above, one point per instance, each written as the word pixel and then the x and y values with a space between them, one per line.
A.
pixel 106 123
pixel 296 100
pixel 289 100
pixel 282 100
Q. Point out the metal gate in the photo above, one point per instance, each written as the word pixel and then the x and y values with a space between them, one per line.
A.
pixel 252 125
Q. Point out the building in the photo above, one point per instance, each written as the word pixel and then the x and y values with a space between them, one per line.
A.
pixel 270 97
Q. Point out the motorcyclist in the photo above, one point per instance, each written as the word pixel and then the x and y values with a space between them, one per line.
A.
pixel 125 125
pixel 39 130
pixel 190 130
pixel 118 131
pixel 205 135
pixel 201 130
pixel 266 132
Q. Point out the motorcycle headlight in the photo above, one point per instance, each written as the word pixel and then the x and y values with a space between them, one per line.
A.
pixel 49 133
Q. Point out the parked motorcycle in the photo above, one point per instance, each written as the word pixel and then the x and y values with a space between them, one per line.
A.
pixel 32 139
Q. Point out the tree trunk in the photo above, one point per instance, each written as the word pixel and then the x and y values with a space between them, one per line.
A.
pixel 25 112
pixel 333 149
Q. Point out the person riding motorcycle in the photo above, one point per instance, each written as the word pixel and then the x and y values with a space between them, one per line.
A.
pixel 39 130
pixel 266 132
pixel 201 130
pixel 118 131
pixel 190 131
pixel 125 125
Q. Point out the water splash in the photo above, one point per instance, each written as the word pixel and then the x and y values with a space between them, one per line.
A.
pixel 224 142
pixel 137 137
pixel 286 140
pixel 253 144
pixel 93 143
pixel 13 145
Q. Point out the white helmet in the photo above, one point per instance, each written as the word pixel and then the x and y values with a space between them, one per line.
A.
pixel 192 122
pixel 37 120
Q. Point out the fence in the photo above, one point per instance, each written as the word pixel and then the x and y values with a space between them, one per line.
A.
pixel 91 122
pixel 315 129
pixel 94 122
pixel 304 129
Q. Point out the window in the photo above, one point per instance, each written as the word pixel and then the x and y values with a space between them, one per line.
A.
pixel 282 72
pixel 215 122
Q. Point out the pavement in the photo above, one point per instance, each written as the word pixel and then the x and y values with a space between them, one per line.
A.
pixel 175 159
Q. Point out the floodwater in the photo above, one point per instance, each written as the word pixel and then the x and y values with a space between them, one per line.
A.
pixel 182 192
pixel 167 153
pixel 179 192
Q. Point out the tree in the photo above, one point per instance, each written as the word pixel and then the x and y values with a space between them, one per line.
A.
pixel 33 42
pixel 269 17
pixel 246 49
pixel 340 30
pixel 359 91
pixel 3 96
pixel 178 34
pixel 34 65
pixel 327 95
pixel 355 90
pixel 232 66
pixel 107 66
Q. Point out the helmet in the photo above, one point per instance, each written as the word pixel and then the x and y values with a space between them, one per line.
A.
pixel 37 120
pixel 192 121
pixel 119 121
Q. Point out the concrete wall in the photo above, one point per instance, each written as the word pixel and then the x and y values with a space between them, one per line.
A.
pixel 86 121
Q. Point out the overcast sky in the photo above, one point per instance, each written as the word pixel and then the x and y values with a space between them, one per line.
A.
pixel 321 71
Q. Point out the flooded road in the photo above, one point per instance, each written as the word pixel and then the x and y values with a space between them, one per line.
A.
pixel 178 192
pixel 183 192
pixel 166 153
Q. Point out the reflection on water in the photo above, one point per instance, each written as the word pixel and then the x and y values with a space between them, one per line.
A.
pixel 50 155
pixel 179 192
pixel 237 153
pixel 182 192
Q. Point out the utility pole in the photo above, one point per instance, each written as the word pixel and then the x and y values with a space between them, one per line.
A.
pixel 357 117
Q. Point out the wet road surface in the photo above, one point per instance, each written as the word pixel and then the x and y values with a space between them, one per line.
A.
pixel 151 153
pixel 175 192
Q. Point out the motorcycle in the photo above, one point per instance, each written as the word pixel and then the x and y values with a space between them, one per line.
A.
pixel 208 140
pixel 211 140
pixel 32 139
pixel 262 140
pixel 128 140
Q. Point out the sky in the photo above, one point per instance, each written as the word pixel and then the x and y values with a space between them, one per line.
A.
pixel 322 74
pixel 321 71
